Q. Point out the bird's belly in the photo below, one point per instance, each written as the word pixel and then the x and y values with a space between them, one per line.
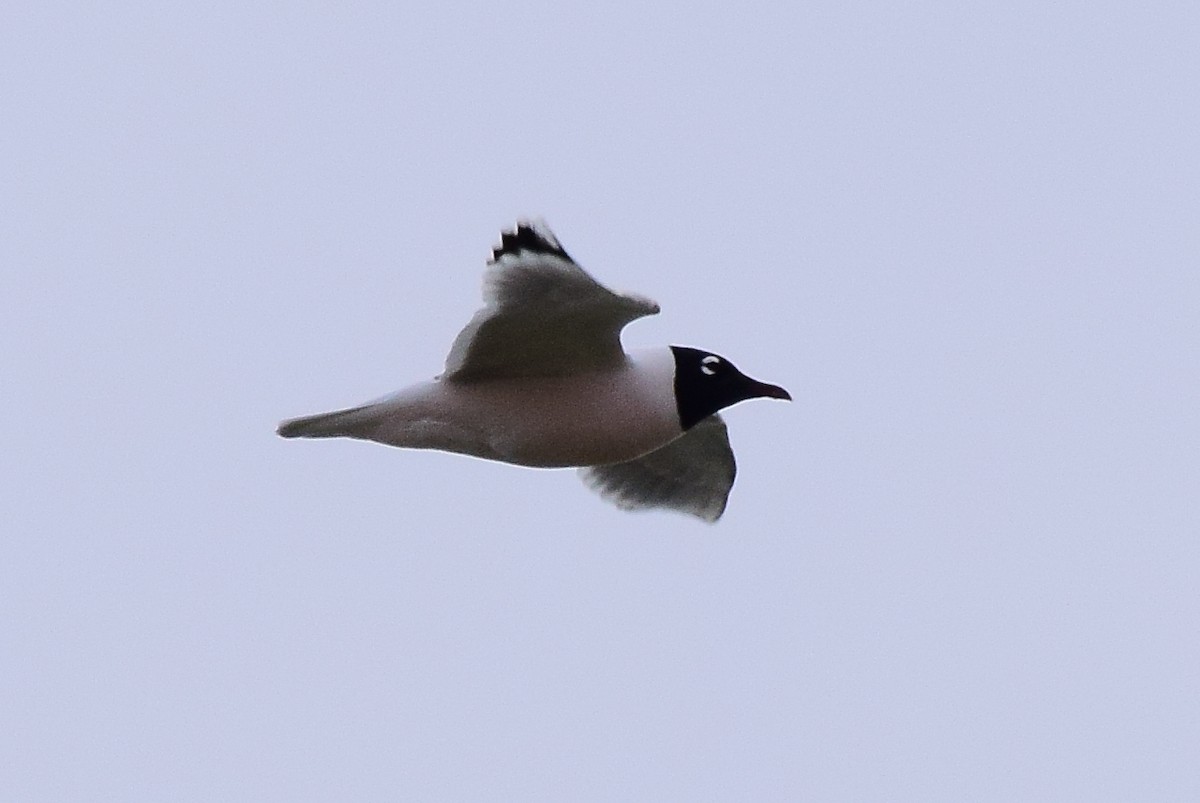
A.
pixel 587 441
pixel 557 423
pixel 543 423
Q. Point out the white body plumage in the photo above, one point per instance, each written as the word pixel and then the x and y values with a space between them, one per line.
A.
pixel 545 422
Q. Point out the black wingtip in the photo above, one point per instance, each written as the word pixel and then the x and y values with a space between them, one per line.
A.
pixel 529 236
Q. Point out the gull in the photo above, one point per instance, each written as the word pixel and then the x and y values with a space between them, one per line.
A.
pixel 539 378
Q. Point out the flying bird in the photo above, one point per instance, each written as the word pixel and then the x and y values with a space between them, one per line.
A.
pixel 539 378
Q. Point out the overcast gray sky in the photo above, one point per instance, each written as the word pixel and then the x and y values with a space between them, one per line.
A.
pixel 963 565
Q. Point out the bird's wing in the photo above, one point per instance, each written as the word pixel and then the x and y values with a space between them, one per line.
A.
pixel 543 315
pixel 692 474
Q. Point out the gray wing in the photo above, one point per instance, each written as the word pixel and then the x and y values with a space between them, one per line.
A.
pixel 543 315
pixel 692 474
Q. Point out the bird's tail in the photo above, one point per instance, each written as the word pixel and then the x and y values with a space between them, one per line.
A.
pixel 338 424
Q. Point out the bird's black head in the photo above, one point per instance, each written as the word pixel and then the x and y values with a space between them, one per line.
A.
pixel 706 382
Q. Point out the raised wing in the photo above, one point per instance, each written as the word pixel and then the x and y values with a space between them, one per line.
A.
pixel 543 315
pixel 692 474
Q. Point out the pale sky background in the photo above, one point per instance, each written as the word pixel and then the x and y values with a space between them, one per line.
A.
pixel 963 565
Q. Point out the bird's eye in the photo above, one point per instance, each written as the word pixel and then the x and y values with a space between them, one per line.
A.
pixel 708 365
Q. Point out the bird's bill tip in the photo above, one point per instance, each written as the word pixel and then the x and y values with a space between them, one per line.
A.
pixel 773 391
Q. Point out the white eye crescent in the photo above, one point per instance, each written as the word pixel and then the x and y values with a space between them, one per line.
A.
pixel 708 365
